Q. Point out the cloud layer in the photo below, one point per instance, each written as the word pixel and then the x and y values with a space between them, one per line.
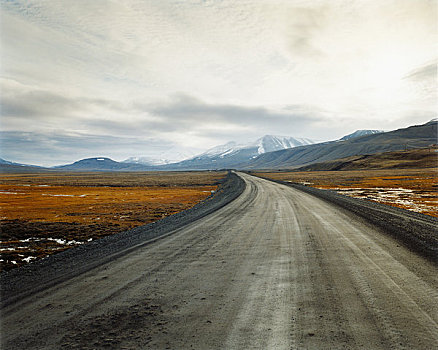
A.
pixel 148 75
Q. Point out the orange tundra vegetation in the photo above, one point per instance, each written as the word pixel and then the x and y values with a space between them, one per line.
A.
pixel 45 213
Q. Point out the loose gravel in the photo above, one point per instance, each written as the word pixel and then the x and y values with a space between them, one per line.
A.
pixel 416 231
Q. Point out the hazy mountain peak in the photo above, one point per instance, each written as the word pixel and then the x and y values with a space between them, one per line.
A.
pixel 148 161
pixel 220 149
pixel 359 133
pixel 169 156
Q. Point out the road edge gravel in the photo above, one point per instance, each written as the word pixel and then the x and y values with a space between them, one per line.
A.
pixel 37 276
pixel 418 232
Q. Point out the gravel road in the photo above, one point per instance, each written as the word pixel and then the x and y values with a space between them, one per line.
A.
pixel 277 268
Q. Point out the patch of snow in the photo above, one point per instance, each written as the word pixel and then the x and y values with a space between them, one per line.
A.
pixel 401 196
pixel 261 149
pixel 231 150
pixel 359 133
pixel 29 258
pixel 64 241
pixel 58 195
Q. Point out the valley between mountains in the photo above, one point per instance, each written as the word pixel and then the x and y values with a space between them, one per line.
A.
pixel 274 268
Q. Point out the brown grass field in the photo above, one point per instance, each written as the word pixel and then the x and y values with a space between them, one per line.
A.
pixel 412 189
pixel 45 213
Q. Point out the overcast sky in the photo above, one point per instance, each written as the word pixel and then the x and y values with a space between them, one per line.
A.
pixel 171 78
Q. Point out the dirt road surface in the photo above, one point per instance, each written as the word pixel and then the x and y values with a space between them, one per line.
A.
pixel 275 269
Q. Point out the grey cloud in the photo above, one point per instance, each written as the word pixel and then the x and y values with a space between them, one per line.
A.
pixel 188 111
pixel 35 104
pixel 183 113
pixel 415 117
pixel 134 127
pixel 305 23
pixel 428 71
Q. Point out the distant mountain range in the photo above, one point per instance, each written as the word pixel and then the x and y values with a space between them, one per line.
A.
pixel 268 152
pixel 224 156
pixel 170 156
pixel 232 155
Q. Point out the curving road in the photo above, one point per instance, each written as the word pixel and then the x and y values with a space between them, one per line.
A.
pixel 275 269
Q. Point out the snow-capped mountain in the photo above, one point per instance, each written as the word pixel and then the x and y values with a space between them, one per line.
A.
pixel 169 157
pixel 359 133
pixel 233 154
pixel 267 143
pixel 220 150
pixel 270 143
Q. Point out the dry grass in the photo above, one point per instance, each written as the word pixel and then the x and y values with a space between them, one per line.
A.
pixel 412 189
pixel 45 213
pixel 115 179
pixel 126 206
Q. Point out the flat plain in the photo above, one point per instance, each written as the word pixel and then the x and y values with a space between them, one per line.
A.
pixel 45 213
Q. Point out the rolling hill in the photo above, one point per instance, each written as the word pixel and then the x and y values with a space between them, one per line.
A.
pixel 102 164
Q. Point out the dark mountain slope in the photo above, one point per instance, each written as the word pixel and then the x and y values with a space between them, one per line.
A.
pixel 418 158
pixel 418 136
pixel 12 167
